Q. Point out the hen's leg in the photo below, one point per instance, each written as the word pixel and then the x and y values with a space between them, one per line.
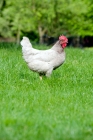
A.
pixel 40 76
pixel 48 73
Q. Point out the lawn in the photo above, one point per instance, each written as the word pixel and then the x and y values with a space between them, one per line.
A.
pixel 56 108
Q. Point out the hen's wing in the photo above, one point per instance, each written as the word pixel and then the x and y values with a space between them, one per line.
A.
pixel 43 55
pixel 41 61
pixel 44 61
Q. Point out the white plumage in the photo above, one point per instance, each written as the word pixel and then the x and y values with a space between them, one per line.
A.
pixel 44 61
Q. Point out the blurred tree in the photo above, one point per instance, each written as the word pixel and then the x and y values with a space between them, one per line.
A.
pixel 16 18
pixel 43 14
pixel 54 17
pixel 88 18
pixel 70 15
pixel 82 22
pixel 25 16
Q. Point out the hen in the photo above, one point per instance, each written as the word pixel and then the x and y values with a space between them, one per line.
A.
pixel 44 61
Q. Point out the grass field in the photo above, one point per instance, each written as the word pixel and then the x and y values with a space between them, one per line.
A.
pixel 56 108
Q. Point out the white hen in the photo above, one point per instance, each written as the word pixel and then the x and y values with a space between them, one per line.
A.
pixel 44 61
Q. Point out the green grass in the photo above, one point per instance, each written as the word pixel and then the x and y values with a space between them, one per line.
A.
pixel 56 108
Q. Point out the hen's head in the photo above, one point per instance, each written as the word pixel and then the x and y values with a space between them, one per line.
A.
pixel 63 41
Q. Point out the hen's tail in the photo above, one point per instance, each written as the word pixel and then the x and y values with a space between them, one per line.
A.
pixel 26 48
pixel 25 43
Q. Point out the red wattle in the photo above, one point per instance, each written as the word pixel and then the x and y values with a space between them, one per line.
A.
pixel 64 45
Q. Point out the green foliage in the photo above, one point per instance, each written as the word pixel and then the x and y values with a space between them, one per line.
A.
pixel 56 108
pixel 54 17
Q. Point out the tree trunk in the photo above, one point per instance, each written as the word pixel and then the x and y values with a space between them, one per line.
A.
pixel 41 34
pixel 18 36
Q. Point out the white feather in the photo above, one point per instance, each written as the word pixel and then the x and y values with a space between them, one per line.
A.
pixel 42 61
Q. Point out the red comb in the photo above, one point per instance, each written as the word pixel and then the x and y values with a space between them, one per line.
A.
pixel 62 37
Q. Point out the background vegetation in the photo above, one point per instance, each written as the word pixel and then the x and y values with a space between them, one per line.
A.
pixel 52 17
